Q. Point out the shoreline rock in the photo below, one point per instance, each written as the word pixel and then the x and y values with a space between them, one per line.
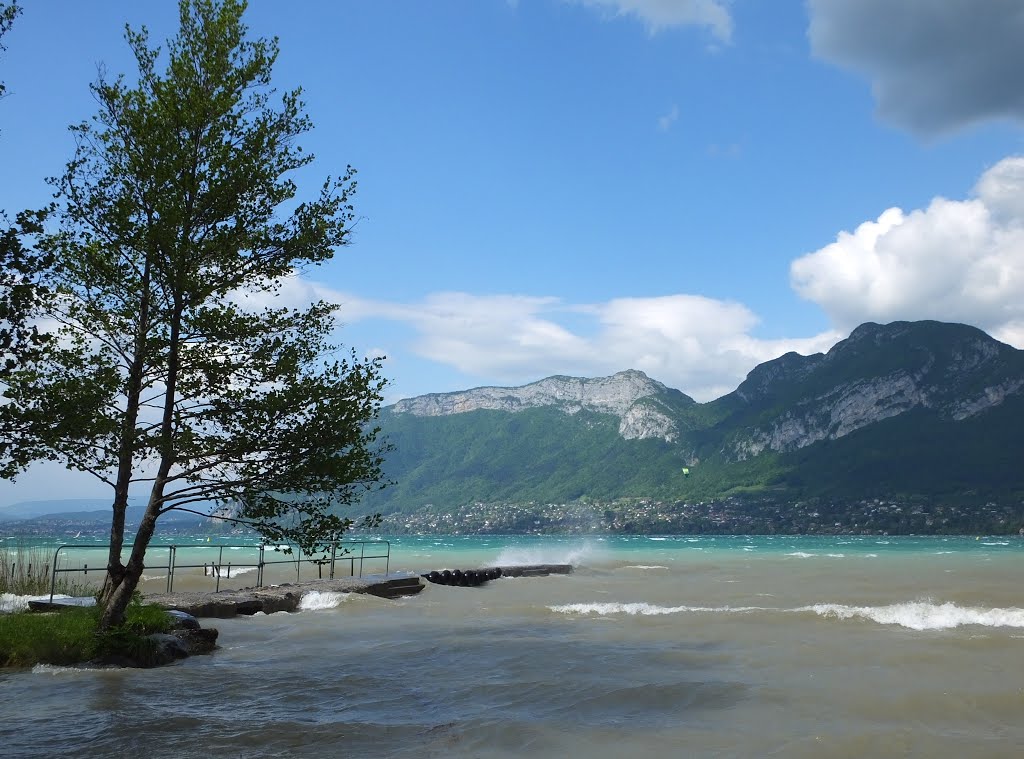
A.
pixel 186 638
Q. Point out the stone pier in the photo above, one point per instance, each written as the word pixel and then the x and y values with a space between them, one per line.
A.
pixel 287 597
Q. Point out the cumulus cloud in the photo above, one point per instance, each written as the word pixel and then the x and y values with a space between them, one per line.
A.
pixel 699 345
pixel 663 14
pixel 956 260
pixel 934 65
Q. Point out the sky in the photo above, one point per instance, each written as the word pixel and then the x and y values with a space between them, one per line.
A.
pixel 685 187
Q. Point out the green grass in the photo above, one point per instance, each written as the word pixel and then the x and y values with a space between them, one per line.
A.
pixel 72 636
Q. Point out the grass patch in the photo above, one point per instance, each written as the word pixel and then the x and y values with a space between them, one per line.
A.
pixel 72 636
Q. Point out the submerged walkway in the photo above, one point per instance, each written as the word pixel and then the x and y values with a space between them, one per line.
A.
pixel 288 597
pixel 223 604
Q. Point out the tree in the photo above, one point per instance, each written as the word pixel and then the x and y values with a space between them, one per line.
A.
pixel 172 366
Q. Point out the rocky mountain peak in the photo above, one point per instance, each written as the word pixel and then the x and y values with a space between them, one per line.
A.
pixel 618 394
pixel 610 395
pixel 879 372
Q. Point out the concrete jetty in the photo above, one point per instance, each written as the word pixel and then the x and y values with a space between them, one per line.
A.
pixel 288 597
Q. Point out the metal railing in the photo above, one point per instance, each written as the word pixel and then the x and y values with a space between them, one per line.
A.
pixel 351 551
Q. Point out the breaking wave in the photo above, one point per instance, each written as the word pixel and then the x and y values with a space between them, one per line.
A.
pixel 225 571
pixel 645 609
pixel 645 566
pixel 319 600
pixel 521 555
pixel 923 615
pixel 916 615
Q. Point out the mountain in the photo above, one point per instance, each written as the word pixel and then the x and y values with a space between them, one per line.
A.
pixel 82 512
pixel 908 408
pixel 645 408
pixel 34 509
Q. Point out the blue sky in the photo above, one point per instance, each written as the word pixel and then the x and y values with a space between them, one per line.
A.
pixel 686 187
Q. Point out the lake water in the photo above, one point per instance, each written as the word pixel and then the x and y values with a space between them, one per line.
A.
pixel 653 647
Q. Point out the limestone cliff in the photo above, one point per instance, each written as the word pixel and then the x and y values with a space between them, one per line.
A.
pixel 643 405
pixel 877 373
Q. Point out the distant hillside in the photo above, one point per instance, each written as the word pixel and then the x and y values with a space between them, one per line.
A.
pixel 914 408
pixel 33 509
pixel 84 513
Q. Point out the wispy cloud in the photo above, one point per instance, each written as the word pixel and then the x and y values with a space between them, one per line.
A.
pixel 700 345
pixel 666 121
pixel 658 15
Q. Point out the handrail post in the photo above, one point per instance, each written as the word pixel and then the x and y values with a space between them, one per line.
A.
pixel 259 570
pixel 334 553
pixel 170 568
pixel 220 561
pixel 53 578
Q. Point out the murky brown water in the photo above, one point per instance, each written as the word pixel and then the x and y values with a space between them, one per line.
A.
pixel 734 647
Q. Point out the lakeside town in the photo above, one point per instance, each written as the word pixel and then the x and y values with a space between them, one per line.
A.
pixel 747 515
pixel 729 516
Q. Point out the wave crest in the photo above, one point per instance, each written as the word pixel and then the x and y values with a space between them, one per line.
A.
pixel 318 600
pixel 923 615
pixel 644 609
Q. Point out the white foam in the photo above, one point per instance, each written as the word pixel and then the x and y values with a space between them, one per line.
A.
pixel 645 566
pixel 802 555
pixel 9 602
pixel 519 556
pixel 53 669
pixel 319 600
pixel 645 609
pixel 226 572
pixel 923 615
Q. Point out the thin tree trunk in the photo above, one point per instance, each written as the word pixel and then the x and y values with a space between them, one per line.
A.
pixel 121 595
pixel 126 453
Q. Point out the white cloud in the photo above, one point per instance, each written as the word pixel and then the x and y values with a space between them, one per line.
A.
pixel 665 122
pixel 700 345
pixel 956 260
pixel 662 14
pixel 934 65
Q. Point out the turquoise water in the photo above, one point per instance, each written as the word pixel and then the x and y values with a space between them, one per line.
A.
pixel 676 646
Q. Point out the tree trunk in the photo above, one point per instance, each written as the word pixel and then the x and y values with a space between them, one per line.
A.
pixel 126 453
pixel 118 594
pixel 115 603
